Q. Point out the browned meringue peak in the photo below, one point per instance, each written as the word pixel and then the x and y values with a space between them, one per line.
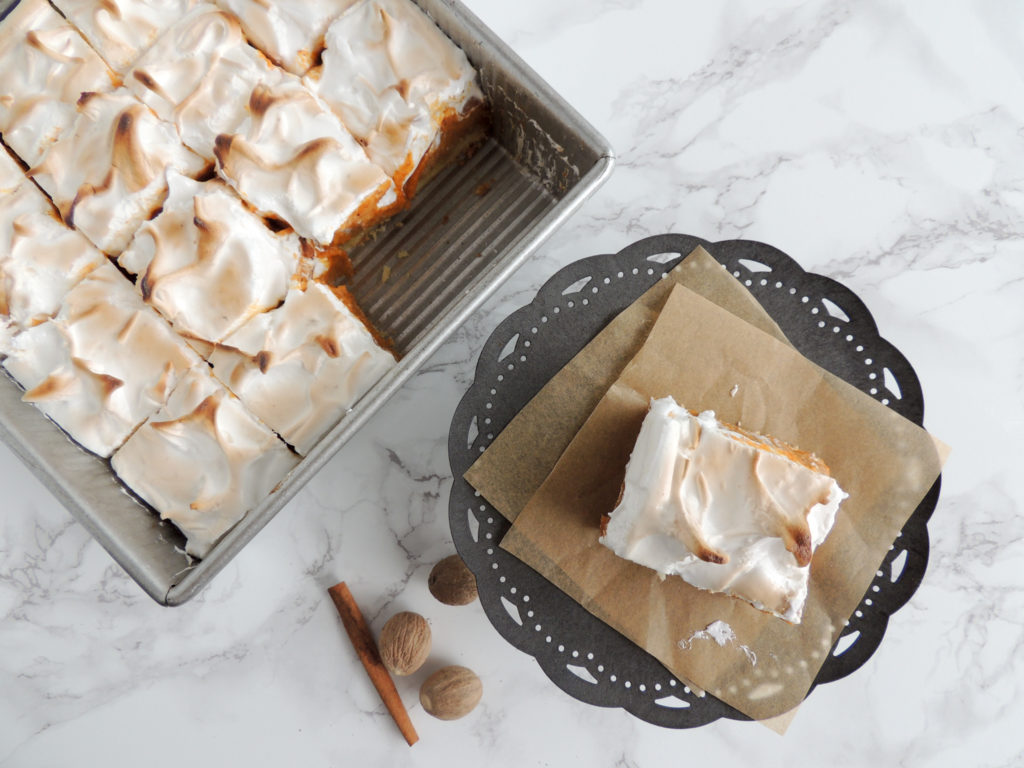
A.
pixel 46 66
pixel 199 75
pixel 120 30
pixel 302 366
pixel 216 461
pixel 107 174
pixel 291 33
pixel 292 159
pixel 103 365
pixel 208 263
pixel 41 259
pixel 394 78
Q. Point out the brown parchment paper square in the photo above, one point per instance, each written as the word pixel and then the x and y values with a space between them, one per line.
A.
pixel 698 352
pixel 512 468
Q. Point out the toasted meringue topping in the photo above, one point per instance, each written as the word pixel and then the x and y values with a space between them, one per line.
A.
pixel 291 33
pixel 120 30
pixel 301 366
pixel 107 174
pixel 103 365
pixel 46 66
pixel 11 175
pixel 114 365
pixel 202 461
pixel 729 511
pixel 199 75
pixel 41 259
pixel 293 160
pixel 208 263
pixel 393 77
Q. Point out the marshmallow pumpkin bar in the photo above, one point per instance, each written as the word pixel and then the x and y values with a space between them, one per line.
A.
pixel 202 460
pixel 103 365
pixel 41 258
pixel 120 30
pixel 209 264
pixel 291 159
pixel 107 174
pixel 399 84
pixel 728 510
pixel 290 33
pixel 46 65
pixel 301 366
pixel 273 140
pixel 199 75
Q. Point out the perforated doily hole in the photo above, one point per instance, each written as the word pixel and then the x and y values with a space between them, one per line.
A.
pixel 748 275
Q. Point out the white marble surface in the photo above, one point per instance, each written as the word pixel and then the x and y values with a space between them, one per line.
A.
pixel 879 143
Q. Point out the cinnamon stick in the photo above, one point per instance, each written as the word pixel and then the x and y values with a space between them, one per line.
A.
pixel 366 649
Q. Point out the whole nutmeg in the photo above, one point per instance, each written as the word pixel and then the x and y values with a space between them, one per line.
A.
pixel 404 643
pixel 452 582
pixel 451 693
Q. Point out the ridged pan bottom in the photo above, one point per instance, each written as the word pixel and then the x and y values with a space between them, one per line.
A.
pixel 419 261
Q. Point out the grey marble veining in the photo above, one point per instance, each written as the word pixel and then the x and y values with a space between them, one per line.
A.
pixel 880 144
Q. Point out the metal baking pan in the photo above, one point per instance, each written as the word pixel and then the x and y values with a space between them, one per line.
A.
pixel 467 231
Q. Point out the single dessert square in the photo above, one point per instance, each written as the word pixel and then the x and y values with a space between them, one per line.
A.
pixel 397 82
pixel 727 510
pixel 209 264
pixel 107 174
pixel 41 258
pixel 292 160
pixel 291 33
pixel 302 366
pixel 46 66
pixel 105 363
pixel 199 76
pixel 203 461
pixel 120 30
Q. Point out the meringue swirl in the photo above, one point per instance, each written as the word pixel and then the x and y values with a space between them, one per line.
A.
pixel 290 33
pixel 394 78
pixel 120 30
pixel 291 159
pixel 302 366
pixel 107 174
pixel 217 462
pixel 46 66
pixel 103 365
pixel 41 259
pixel 207 263
pixel 199 76
pixel 727 510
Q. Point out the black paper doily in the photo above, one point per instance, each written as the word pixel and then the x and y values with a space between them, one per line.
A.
pixel 586 658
